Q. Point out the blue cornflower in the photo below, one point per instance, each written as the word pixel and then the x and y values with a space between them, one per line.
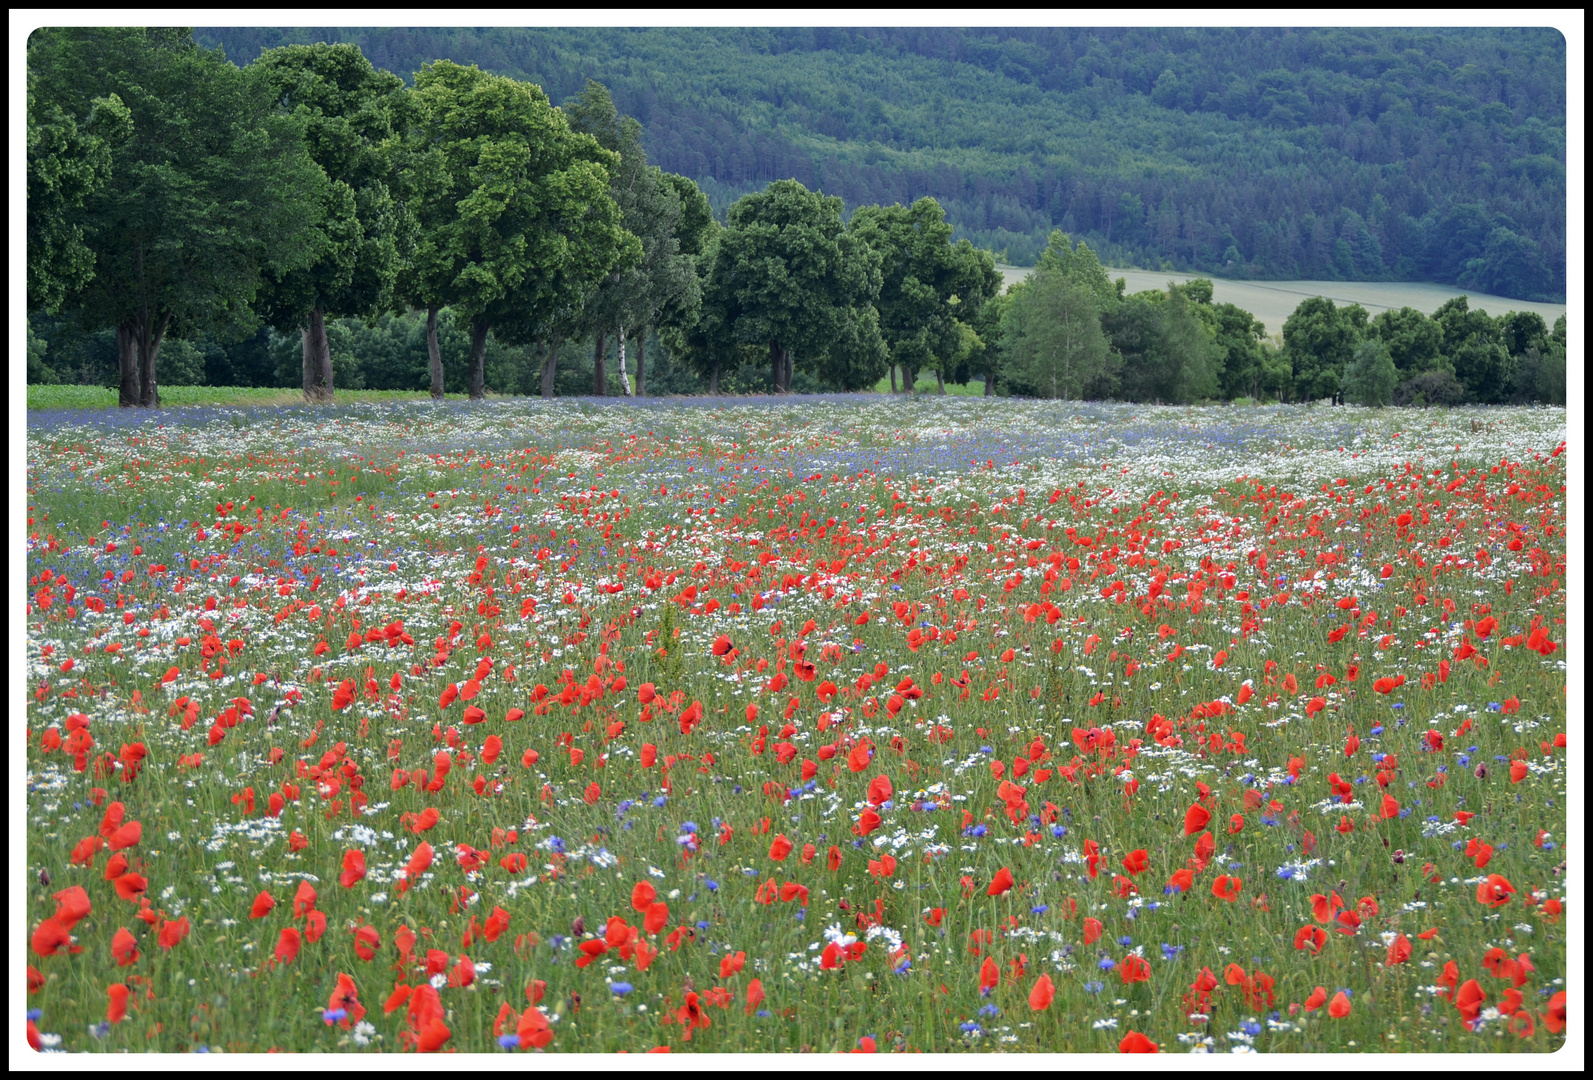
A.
pixel 988 1010
pixel 621 988
pixel 1250 1027
pixel 509 1042
pixel 1170 952
pixel 1093 987
pixel 713 886
pixel 1106 963
pixel 1125 941
pixel 1040 909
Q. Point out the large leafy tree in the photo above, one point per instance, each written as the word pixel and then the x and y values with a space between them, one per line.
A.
pixel 653 209
pixel 1414 341
pixel 354 118
pixel 1168 353
pixel 1320 341
pixel 788 275
pixel 1474 344
pixel 1371 377
pixel 213 187
pixel 930 288
pixel 67 163
pixel 1051 337
pixel 513 208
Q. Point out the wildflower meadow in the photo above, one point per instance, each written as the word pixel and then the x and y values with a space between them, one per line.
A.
pixel 821 724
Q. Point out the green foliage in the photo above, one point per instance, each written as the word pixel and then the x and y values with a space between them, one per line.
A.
pixel 1283 153
pixel 1168 353
pixel 1475 346
pixel 67 163
pixel 1051 337
pixel 353 118
pixel 786 274
pixel 212 187
pixel 513 207
pixel 653 208
pixel 1320 341
pixel 929 286
pixel 38 370
pixel 1414 341
pixel 1371 377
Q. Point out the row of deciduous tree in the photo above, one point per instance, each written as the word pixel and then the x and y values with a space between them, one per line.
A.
pixel 1069 332
pixel 173 194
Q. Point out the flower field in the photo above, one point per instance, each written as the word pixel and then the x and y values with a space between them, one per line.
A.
pixel 831 724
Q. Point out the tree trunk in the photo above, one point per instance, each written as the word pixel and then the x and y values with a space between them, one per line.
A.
pixel 893 376
pixel 317 360
pixel 550 366
pixel 990 384
pixel 600 366
pixel 940 381
pixel 127 365
pixel 790 361
pixel 910 380
pixel 776 366
pixel 713 380
pixel 478 357
pixel 149 339
pixel 434 353
pixel 625 376
pixel 641 362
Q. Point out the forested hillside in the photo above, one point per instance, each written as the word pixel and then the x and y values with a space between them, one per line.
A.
pixel 1338 154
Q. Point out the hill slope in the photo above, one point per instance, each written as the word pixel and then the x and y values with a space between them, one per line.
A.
pixel 1336 154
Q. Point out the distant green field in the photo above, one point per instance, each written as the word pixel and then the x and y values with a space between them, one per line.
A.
pixel 926 385
pixel 98 397
pixel 1274 301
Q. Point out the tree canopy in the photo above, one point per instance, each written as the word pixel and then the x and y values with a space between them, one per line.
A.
pixel 1337 153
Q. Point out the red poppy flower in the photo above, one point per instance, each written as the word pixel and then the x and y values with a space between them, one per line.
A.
pixel 1495 892
pixel 1310 937
pixel 1134 969
pixel 1042 994
pixel 1136 1043
pixel 353 868
pixel 1000 883
pixel 1314 1002
pixel 171 933
pixel 116 1003
pixel 124 947
pixel 779 848
pixel 71 906
pixel 1136 861
pixel 1092 930
pixel 288 945
pixel 1226 888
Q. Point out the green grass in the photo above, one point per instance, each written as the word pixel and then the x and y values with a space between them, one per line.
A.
pixel 926 385
pixel 99 397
